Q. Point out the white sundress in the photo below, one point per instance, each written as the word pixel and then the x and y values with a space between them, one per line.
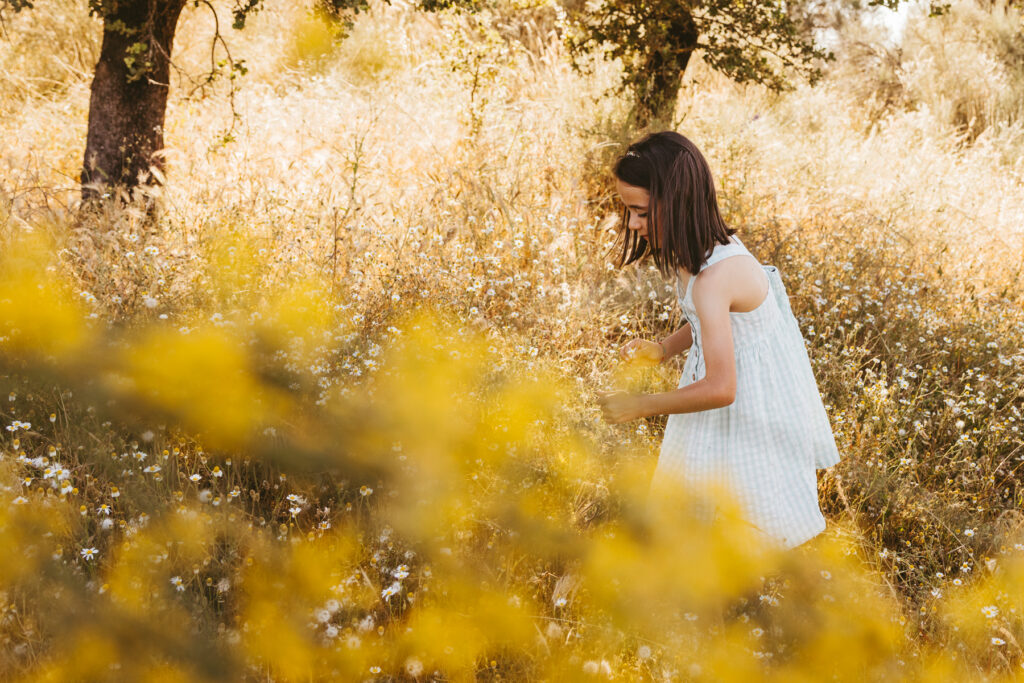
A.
pixel 766 445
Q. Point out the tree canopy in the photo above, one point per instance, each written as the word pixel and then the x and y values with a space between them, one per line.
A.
pixel 655 39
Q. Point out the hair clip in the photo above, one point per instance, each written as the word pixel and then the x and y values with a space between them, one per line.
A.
pixel 631 153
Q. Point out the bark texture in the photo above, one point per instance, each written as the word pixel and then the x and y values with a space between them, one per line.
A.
pixel 663 68
pixel 128 99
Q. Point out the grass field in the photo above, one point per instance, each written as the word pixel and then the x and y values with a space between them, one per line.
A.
pixel 331 412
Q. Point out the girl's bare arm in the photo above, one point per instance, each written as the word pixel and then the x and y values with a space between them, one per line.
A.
pixel 717 388
pixel 678 341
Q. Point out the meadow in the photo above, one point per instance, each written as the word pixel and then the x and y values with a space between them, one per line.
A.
pixel 328 412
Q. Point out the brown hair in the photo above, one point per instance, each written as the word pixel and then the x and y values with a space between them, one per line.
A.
pixel 683 219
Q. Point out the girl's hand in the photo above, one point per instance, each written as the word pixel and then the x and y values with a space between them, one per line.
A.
pixel 619 406
pixel 640 350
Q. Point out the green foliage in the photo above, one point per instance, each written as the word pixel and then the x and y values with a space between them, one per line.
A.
pixel 135 60
pixel 241 11
pixel 16 5
pixel 346 11
pixel 439 5
pixel 748 41
pixel 118 26
pixel 935 8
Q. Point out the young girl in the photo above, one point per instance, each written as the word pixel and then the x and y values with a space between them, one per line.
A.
pixel 747 413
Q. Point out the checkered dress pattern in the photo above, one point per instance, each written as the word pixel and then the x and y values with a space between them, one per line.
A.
pixel 767 444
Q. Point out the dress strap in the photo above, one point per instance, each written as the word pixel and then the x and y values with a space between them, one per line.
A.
pixel 721 251
pixel 718 252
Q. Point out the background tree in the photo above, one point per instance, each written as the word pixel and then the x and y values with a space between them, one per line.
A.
pixel 129 90
pixel 655 39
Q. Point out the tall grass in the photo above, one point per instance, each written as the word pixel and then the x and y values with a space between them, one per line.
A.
pixel 287 471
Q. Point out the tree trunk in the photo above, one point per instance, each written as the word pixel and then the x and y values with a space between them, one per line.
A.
pixel 129 95
pixel 669 52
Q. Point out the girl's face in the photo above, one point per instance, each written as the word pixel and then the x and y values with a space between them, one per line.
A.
pixel 636 200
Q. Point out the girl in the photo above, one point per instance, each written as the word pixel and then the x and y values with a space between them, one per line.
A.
pixel 747 413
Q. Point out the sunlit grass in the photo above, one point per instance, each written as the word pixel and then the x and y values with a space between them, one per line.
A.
pixel 331 414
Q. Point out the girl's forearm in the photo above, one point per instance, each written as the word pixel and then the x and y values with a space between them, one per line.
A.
pixel 678 341
pixel 700 395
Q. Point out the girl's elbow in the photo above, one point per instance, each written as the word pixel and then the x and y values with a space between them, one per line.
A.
pixel 725 395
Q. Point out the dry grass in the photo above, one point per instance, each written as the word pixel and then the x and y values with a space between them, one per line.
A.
pixel 428 164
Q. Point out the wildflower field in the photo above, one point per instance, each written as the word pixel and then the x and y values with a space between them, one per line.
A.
pixel 328 411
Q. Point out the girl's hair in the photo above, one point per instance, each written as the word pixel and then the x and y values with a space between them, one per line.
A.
pixel 683 220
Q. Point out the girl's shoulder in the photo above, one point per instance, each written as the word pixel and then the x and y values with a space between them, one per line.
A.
pixel 688 282
pixel 735 247
pixel 729 271
pixel 741 281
